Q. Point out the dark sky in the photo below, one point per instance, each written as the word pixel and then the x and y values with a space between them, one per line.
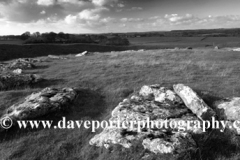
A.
pixel 96 16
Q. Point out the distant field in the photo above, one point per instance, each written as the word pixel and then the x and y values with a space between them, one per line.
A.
pixel 171 42
pixel 11 42
pixel 10 51
pixel 14 49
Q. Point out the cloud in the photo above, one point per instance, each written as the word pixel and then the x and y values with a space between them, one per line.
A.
pixel 89 18
pixel 129 9
pixel 135 8
pixel 189 21
pixel 29 11
pixel 103 2
pixel 46 2
pixel 131 19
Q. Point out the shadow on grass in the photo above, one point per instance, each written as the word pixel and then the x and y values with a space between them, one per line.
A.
pixel 214 145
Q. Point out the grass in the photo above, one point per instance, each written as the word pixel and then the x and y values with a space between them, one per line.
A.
pixel 103 80
pixel 172 42
pixel 9 50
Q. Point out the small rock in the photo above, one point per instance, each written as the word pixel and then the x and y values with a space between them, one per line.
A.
pixel 82 54
pixel 17 71
pixel 21 64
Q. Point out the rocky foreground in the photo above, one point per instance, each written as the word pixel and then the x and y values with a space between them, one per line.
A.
pixel 157 103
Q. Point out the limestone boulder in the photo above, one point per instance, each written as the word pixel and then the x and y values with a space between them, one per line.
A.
pixel 194 102
pixel 82 54
pixel 12 81
pixel 22 63
pixel 41 103
pixel 228 109
pixel 141 117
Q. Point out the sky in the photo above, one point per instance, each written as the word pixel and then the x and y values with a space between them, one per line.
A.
pixel 104 16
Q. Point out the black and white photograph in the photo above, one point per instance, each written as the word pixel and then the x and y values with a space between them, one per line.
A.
pixel 119 80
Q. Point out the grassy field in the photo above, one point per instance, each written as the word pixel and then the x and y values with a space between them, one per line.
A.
pixel 171 42
pixel 104 79
pixel 11 51
pixel 16 42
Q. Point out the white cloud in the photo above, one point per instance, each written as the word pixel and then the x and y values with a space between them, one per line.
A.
pixel 91 14
pixel 70 19
pixel 103 2
pixel 89 18
pixel 176 17
pixel 45 2
pixel 131 19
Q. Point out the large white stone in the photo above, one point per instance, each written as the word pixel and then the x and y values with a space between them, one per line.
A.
pixel 194 102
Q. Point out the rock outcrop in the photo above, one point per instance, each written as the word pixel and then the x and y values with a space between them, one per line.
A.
pixel 39 104
pixel 151 108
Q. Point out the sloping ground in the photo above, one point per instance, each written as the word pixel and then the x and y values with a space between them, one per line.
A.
pixel 104 80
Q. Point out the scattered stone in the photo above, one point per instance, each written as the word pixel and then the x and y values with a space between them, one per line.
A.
pixel 11 80
pixel 194 102
pixel 39 104
pixel 216 47
pixel 21 64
